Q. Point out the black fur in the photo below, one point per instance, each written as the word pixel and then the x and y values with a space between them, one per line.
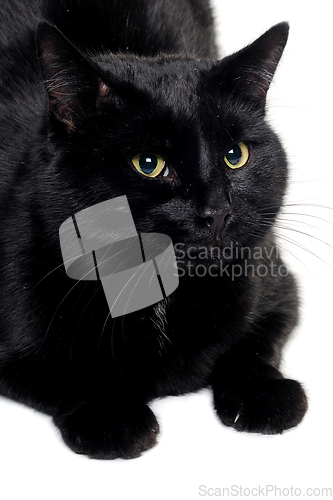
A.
pixel 142 78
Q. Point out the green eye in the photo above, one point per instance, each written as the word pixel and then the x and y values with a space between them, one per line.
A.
pixel 237 156
pixel 149 165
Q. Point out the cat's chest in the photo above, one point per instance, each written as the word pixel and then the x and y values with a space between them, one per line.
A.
pixel 181 340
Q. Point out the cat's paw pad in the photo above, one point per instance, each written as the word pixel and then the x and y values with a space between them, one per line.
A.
pixel 270 407
pixel 108 435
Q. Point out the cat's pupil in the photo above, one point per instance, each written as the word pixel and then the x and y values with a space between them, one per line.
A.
pixel 148 163
pixel 234 155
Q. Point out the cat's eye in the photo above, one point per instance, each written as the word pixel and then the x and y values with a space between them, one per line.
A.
pixel 149 165
pixel 237 156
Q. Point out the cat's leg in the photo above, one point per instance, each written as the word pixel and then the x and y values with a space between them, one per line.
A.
pixel 250 393
pixel 254 397
pixel 98 419
pixel 106 424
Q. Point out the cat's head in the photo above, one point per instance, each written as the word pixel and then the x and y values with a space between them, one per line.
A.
pixel 184 139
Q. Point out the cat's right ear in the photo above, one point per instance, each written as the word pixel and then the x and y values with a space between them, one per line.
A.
pixel 72 83
pixel 249 72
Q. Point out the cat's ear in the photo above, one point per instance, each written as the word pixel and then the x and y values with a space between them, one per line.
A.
pixel 250 71
pixel 73 84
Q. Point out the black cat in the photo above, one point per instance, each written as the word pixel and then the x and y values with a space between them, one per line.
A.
pixel 135 83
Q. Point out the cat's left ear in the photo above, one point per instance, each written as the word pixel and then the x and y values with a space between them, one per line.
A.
pixel 249 72
pixel 72 83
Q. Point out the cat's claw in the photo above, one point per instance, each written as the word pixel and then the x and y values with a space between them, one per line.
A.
pixel 106 435
pixel 270 407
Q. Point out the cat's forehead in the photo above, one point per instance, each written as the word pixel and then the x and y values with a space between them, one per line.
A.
pixel 176 99
pixel 166 78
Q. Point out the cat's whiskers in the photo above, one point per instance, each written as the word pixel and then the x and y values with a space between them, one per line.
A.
pixel 135 285
pixel 82 313
pixel 123 329
pixel 281 225
pixel 58 307
pixel 50 272
pixel 302 247
pixel 73 288
pixel 288 251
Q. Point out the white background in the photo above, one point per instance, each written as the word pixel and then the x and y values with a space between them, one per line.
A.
pixel 194 448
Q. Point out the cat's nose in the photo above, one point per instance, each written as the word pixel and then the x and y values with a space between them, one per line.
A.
pixel 216 219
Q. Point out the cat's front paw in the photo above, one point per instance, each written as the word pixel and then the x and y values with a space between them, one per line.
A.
pixel 269 407
pixel 107 434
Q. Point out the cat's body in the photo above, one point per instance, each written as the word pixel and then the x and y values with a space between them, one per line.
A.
pixel 152 86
